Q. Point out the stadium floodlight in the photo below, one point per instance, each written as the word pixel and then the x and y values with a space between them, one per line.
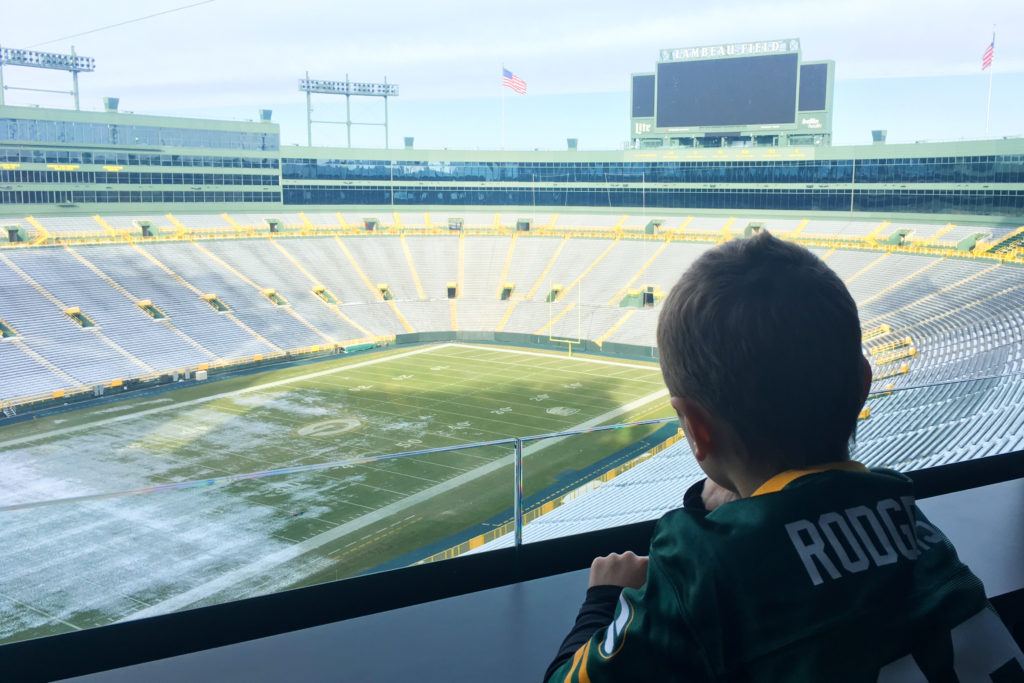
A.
pixel 45 60
pixel 348 89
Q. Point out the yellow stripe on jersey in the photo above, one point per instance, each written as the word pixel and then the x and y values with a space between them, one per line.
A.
pixel 782 479
pixel 576 662
pixel 584 676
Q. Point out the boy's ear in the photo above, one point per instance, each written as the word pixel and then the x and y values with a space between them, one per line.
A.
pixel 865 370
pixel 697 423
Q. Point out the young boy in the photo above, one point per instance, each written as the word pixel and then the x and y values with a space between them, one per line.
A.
pixel 790 562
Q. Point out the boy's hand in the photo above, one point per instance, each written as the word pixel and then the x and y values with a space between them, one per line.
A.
pixel 627 570
pixel 714 495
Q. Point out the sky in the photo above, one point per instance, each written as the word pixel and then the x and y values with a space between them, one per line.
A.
pixel 910 67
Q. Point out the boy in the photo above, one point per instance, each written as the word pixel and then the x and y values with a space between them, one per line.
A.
pixel 790 562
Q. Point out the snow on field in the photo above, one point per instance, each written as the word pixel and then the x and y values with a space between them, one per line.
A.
pixel 153 547
pixel 79 564
pixel 296 402
pixel 83 564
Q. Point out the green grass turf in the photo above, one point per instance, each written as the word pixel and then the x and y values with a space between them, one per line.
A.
pixel 350 518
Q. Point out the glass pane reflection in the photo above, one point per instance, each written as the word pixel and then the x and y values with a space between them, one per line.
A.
pixel 96 550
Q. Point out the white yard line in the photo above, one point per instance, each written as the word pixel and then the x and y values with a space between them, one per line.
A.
pixel 39 611
pixel 261 567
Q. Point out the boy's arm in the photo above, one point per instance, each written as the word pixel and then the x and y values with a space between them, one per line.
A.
pixel 597 611
pixel 608 576
pixel 645 639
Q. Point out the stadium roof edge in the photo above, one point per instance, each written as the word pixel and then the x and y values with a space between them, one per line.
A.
pixel 1002 146
pixel 130 118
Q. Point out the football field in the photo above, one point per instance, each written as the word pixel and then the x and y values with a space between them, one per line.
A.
pixel 257 483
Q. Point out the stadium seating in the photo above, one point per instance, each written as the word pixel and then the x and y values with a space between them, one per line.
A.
pixel 849 264
pixel 435 262
pixel 706 224
pixel 356 220
pixel 964 315
pixel 79 355
pixel 276 269
pixel 641 326
pixel 24 374
pixel 325 259
pixel 529 261
pixel 611 275
pixel 598 222
pixel 322 219
pixel 219 334
pixel 383 261
pixel 891 272
pixel 470 219
pixel 203 222
pixel 153 344
pixel 480 314
pixel 483 266
pixel 907 290
pixel 242 296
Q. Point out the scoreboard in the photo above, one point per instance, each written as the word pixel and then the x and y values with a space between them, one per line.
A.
pixel 760 92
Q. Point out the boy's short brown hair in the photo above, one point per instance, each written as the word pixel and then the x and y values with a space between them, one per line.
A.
pixel 766 336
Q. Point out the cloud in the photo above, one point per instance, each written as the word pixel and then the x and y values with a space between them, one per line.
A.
pixel 236 50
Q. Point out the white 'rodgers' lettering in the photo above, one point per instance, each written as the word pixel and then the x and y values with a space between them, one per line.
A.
pixel 855 539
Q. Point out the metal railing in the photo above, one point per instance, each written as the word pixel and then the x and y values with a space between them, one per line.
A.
pixel 516 442
pixel 553 485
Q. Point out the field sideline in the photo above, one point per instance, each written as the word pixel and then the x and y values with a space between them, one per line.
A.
pixel 75 565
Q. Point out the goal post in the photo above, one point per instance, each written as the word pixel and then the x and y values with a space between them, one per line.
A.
pixel 552 319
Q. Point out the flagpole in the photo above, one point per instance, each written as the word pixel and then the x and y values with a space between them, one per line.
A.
pixel 992 70
pixel 503 105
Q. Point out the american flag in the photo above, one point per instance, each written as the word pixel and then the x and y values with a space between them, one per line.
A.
pixel 510 80
pixel 986 59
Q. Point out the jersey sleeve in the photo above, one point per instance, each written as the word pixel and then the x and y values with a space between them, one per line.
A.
pixel 598 611
pixel 646 640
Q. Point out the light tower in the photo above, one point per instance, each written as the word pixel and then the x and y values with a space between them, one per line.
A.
pixel 45 60
pixel 348 89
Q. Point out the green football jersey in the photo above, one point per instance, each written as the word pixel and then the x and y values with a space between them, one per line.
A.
pixel 834 576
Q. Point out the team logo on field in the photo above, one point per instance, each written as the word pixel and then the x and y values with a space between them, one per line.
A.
pixel 562 411
pixel 328 428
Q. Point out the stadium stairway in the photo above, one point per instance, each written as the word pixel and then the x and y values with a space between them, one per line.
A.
pixel 173 255
pixel 184 359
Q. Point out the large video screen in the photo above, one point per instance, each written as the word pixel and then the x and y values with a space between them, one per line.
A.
pixel 813 86
pixel 727 92
pixel 643 95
